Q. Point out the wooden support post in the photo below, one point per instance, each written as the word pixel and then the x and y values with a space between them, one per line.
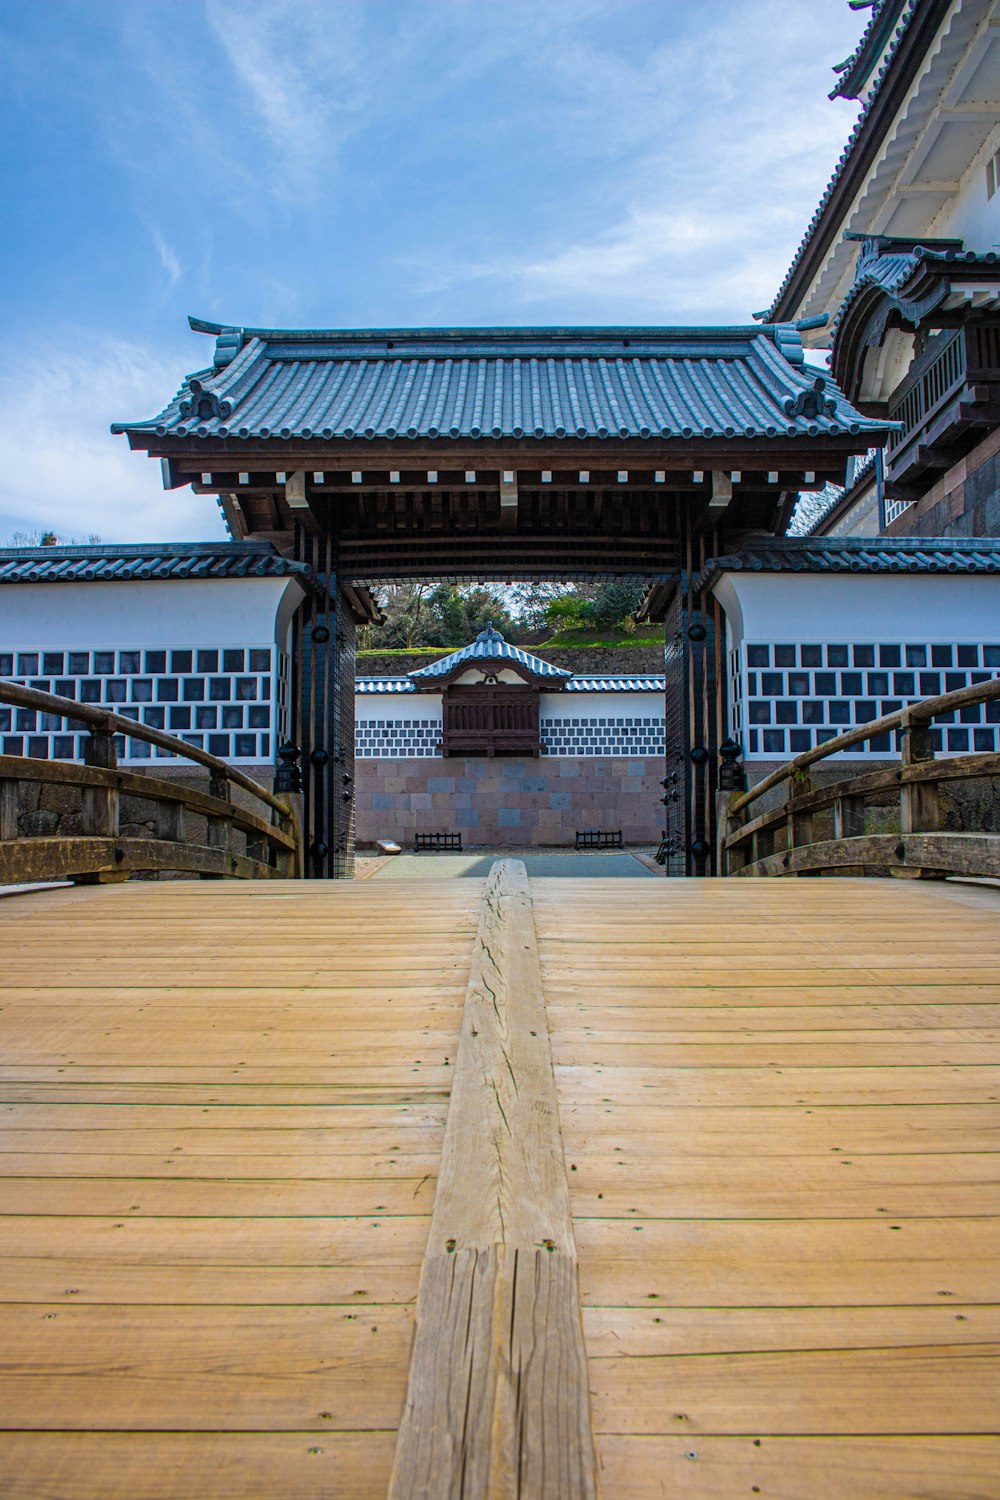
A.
pixel 799 825
pixel 497 1406
pixel 728 860
pixel 219 835
pixel 99 804
pixel 8 810
pixel 848 817
pixel 919 803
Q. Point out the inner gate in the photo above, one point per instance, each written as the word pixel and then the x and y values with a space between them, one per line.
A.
pixel 469 455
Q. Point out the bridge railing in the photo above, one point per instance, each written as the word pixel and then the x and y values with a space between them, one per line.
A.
pixel 780 840
pixel 260 840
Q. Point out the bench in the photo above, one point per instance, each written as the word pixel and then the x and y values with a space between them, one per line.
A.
pixel 598 838
pixel 426 842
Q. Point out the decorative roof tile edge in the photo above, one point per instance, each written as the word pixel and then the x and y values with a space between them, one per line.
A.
pixel 890 272
pixel 857 555
pixel 909 13
pixel 489 646
pixel 585 683
pixel 854 72
pixel 146 561
pixel 403 342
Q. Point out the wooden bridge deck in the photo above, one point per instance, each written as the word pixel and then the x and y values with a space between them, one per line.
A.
pixel 223 1111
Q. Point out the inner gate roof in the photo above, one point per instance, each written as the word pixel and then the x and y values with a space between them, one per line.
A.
pixel 740 382
pixel 489 646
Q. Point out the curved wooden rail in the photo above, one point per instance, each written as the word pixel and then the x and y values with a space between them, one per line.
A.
pixel 100 852
pixel 921 847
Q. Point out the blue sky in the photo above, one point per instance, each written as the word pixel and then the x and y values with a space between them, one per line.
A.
pixel 350 163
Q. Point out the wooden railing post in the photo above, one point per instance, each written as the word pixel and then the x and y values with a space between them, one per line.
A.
pixel 8 810
pixel 219 832
pixel 798 824
pixel 732 784
pixel 99 810
pixel 919 802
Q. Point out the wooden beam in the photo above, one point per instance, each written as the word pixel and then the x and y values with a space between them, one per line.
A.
pixel 233 512
pixel 508 500
pixel 298 502
pixel 497 1403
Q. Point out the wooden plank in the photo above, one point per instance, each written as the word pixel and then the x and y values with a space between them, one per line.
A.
pixel 154 1368
pixel 160 1270
pixel 223 1465
pixel 655 1330
pixel 497 1402
pixel 782 1171
pixel 937 1388
pixel 701 1467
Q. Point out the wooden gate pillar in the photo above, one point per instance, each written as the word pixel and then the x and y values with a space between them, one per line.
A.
pixel 324 651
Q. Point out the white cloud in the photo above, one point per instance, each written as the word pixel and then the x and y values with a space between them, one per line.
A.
pixel 61 468
pixel 302 65
pixel 168 257
pixel 699 177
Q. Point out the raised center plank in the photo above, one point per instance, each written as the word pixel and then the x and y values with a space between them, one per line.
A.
pixel 222 1113
pixel 497 1405
pixel 779 1103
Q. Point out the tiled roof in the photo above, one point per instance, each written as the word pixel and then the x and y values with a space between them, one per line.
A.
pixel 610 684
pixel 504 383
pixel 383 685
pixel 855 71
pixel 131 563
pixel 885 264
pixel 908 13
pixel 813 508
pixel 912 554
pixel 490 645
pixel 599 684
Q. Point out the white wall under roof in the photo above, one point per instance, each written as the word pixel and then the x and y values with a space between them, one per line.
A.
pixel 181 612
pixel 851 606
pixel 395 707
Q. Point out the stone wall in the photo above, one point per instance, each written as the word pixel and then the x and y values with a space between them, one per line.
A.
pixel 508 802
pixel 965 501
pixel 53 810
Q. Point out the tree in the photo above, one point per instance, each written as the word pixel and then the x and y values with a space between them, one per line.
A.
pixel 420 614
pixel 49 538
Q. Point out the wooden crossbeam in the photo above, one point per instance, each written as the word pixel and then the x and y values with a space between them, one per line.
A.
pixel 497 1403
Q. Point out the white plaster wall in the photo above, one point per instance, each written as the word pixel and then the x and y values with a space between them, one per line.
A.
pixel 969 215
pixel 861 519
pixel 180 613
pixel 392 707
pixel 860 607
pixel 601 706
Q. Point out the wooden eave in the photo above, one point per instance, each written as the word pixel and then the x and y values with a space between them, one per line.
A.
pixel 488 665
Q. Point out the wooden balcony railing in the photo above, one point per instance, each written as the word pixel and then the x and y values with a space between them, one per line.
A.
pixel 780 841
pixel 97 850
pixel 947 400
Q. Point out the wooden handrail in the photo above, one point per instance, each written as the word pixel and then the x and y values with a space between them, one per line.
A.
pixel 921 847
pixel 108 722
pixel 916 713
pixel 100 851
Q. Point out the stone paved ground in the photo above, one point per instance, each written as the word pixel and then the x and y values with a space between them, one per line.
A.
pixel 478 861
